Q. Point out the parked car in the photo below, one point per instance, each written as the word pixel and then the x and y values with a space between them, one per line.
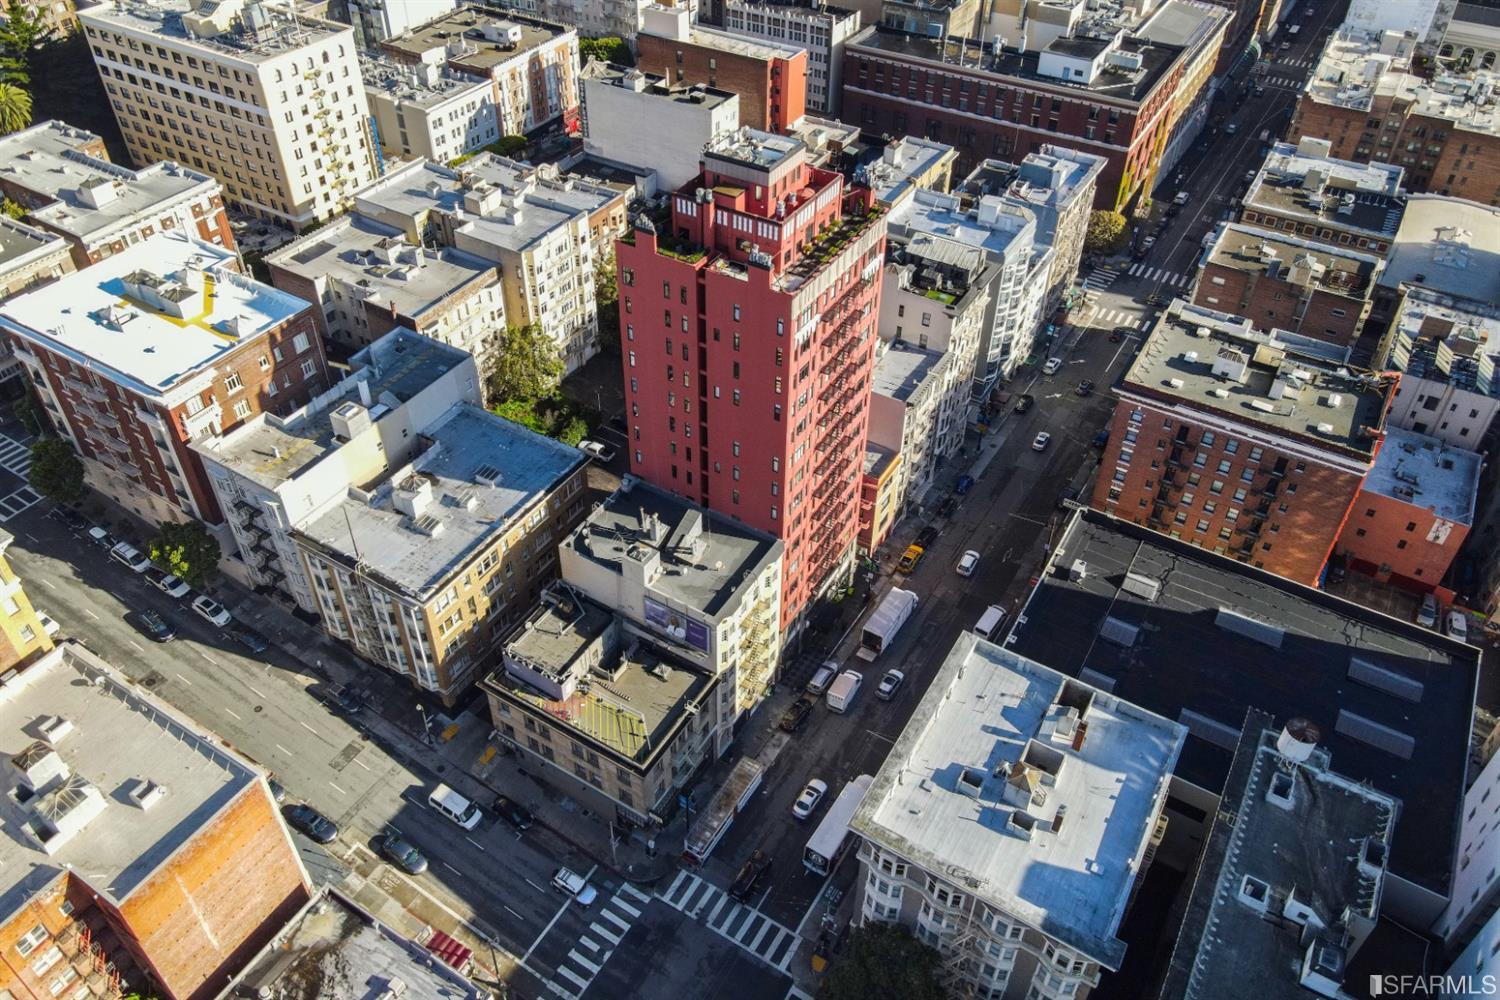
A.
pixel 70 518
pixel 1249 176
pixel 168 584
pixel 513 812
pixel 1051 366
pixel 101 538
pixel 602 452
pixel 1427 614
pixel 947 507
pixel 348 701
pixel 962 487
pixel 211 610
pixel 1085 387
pixel 278 791
pixel 910 558
pixel 568 881
pixel 927 536
pixel 1024 402
pixel 1181 198
pixel 967 562
pixel 812 794
pixel 796 714
pixel 1148 243
pixel 152 625
pixel 249 638
pixel 1067 497
pixel 130 557
pixel 1119 333
pixel 1457 625
pixel 1040 442
pixel 822 677
pixel 890 684
pixel 1100 440
pixel 402 854
pixel 1232 128
pixel 305 819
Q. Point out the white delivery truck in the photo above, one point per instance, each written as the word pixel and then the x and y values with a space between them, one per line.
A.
pixel 882 626
pixel 841 695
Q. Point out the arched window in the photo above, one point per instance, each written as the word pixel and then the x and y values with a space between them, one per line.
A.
pixel 1487 61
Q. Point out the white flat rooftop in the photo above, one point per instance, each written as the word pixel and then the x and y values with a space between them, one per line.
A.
pixel 986 708
pixel 943 215
pixel 1426 473
pixel 151 350
pixel 120 735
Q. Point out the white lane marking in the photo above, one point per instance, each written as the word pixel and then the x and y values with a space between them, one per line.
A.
pixel 283 749
pixel 475 842
pixel 230 712
pixel 136 645
pixel 534 885
pixel 453 870
pixel 361 763
pixel 336 788
pixel 210 659
pixel 252 688
pixel 185 680
pixel 49 583
pixel 308 728
pixel 513 912
pixel 90 614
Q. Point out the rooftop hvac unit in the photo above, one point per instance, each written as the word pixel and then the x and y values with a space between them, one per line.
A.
pixel 1297 739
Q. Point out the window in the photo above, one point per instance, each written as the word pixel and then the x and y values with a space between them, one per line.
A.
pixel 242 409
pixel 232 382
pixel 300 343
pixel 28 941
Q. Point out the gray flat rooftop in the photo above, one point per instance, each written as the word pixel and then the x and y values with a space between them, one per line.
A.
pixel 466 24
pixel 1278 381
pixel 20 243
pixel 1447 340
pixel 940 799
pixel 1273 253
pixel 92 317
pixel 333 950
pixel 898 165
pixel 1449 245
pixel 400 83
pixel 1426 473
pixel 1372 205
pixel 1394 700
pixel 981 59
pixel 635 698
pixel 1308 849
pixel 163 18
pixel 377 259
pixel 877 458
pixel 753 146
pixel 45 159
pixel 902 368
pixel 651 85
pixel 272 449
pixel 764 49
pixel 120 735
pixel 467 445
pixel 949 216
pixel 718 554
pixel 552 640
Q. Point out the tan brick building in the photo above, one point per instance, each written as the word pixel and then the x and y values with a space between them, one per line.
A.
pixel 145 857
pixel 1366 99
pixel 153 348
pixel 1285 283
pixel 1240 442
pixel 23 637
pixel 63 177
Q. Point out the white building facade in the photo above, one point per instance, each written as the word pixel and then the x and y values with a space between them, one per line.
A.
pixel 428 111
pixel 816 27
pixel 269 104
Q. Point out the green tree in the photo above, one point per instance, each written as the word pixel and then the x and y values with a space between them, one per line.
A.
pixel 22 33
pixel 607 299
pixel 12 209
pixel 883 962
pixel 524 412
pixel 186 548
pixel 608 49
pixel 15 109
pixel 1106 232
pixel 56 472
pixel 573 430
pixel 526 365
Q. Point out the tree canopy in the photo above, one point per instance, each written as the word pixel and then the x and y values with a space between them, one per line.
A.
pixel 609 49
pixel 186 549
pixel 1106 232
pixel 525 367
pixel 56 472
pixel 22 33
pixel 883 962
pixel 607 300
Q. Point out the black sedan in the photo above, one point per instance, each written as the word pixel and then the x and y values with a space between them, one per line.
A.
pixel 795 715
pixel 305 819
pixel 248 637
pixel 349 701
pixel 1085 387
pixel 401 854
pixel 1119 333
pixel 74 521
pixel 513 812
pixel 1024 403
pixel 153 626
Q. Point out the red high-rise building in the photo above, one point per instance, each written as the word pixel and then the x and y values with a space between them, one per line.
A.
pixel 748 320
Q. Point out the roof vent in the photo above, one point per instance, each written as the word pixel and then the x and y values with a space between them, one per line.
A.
pixel 1078 572
pixel 1280 792
pixel 1333 400
pixel 1175 383
pixel 147 793
pixel 970 782
pixel 1325 428
pixel 54 728
pixel 1254 893
pixel 1219 393
pixel 1298 738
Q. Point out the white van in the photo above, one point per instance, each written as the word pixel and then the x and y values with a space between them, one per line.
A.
pixel 1294 30
pixel 991 622
pixel 1457 626
pixel 457 808
pixel 128 555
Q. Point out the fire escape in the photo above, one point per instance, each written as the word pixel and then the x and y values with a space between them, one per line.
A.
pixel 757 653
pixel 327 146
pixel 263 557
pixel 88 959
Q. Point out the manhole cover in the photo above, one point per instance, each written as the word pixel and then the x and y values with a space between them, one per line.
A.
pixel 259 708
pixel 152 680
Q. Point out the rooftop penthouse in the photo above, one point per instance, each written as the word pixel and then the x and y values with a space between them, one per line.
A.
pixel 1033 791
pixel 424 86
pixel 476 37
pixel 1435 336
pixel 1218 364
pixel 1304 183
pixel 250 30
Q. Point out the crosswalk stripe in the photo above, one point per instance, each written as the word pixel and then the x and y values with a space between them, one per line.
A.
pixel 617 901
pixel 672 889
pixel 632 890
pixel 606 935
pixel 560 991
pixel 717 907
pixel 589 943
pixel 583 984
pixel 624 925
pixel 764 930
pixel 578 959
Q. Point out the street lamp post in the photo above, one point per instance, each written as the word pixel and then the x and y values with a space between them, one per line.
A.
pixel 426 725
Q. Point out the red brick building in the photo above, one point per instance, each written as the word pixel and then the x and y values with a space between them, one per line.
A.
pixel 1306 192
pixel 1121 98
pixel 63 177
pixel 155 347
pixel 1414 511
pixel 1285 283
pixel 769 77
pixel 748 328
pixel 1237 442
pixel 151 859
pixel 1366 100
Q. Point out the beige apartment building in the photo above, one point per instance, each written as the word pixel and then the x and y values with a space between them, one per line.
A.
pixel 23 637
pixel 270 102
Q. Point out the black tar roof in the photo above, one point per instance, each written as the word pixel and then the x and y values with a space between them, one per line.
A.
pixel 1183 658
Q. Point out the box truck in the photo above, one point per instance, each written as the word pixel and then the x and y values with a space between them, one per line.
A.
pixel 882 626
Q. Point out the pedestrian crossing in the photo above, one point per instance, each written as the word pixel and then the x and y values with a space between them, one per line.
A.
pixel 1101 277
pixel 15 458
pixel 22 499
pixel 1159 274
pixel 742 925
pixel 610 924
pixel 1285 82
pixel 1118 317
